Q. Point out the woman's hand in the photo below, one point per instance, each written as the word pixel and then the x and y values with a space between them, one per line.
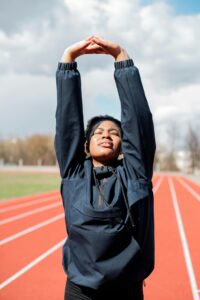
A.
pixel 94 45
pixel 86 46
pixel 110 48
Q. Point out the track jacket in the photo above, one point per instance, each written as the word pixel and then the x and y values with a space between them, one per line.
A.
pixel 102 248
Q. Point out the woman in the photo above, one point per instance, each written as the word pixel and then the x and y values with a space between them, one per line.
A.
pixel 108 201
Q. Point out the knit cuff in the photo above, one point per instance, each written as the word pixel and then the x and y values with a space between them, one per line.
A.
pixel 67 66
pixel 124 63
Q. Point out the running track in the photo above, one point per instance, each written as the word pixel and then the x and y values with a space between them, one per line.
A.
pixel 33 232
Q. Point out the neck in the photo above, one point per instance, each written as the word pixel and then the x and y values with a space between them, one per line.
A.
pixel 97 163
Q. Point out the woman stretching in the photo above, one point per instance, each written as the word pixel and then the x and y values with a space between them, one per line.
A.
pixel 106 184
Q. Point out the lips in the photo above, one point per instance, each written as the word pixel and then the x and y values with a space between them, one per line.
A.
pixel 106 144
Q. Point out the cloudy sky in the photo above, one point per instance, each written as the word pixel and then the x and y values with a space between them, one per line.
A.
pixel 162 37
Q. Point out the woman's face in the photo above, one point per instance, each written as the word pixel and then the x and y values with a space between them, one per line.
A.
pixel 105 143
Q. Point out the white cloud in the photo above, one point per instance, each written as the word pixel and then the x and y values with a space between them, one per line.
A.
pixel 180 108
pixel 26 108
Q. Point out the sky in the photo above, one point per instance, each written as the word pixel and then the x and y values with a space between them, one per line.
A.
pixel 161 36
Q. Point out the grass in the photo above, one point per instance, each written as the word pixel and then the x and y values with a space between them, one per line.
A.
pixel 21 184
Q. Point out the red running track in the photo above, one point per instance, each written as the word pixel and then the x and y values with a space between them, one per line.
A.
pixel 33 232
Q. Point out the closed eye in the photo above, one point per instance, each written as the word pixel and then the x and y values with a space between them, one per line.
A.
pixel 115 132
pixel 111 131
pixel 98 132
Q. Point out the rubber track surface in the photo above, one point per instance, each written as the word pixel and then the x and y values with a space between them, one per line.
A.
pixel 33 232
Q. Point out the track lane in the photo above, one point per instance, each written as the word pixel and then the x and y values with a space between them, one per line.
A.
pixel 13 201
pixel 28 204
pixel 31 229
pixel 190 189
pixel 9 229
pixel 169 279
pixel 33 206
pixel 16 254
pixel 194 185
pixel 45 280
pixel 190 212
pixel 184 242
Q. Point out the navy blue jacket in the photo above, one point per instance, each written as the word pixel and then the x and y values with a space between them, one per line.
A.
pixel 101 247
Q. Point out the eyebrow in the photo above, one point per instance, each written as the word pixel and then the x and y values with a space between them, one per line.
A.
pixel 108 129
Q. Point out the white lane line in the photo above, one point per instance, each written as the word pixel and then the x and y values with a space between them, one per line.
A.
pixel 158 183
pixel 29 203
pixel 31 212
pixel 25 198
pixel 195 194
pixel 186 251
pixel 31 229
pixel 32 264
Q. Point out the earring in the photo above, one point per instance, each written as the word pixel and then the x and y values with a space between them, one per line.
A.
pixel 86 149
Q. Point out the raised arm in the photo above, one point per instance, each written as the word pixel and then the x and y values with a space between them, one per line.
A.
pixel 138 140
pixel 69 139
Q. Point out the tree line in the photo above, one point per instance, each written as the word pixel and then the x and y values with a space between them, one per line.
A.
pixel 39 149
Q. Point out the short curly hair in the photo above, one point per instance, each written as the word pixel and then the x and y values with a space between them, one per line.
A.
pixel 93 123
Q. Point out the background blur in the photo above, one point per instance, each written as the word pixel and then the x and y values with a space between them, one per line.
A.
pixel 162 37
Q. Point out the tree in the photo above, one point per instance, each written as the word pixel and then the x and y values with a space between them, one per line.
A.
pixel 40 150
pixel 165 158
pixel 193 147
pixel 34 150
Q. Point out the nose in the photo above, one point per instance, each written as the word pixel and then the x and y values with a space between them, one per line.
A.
pixel 106 134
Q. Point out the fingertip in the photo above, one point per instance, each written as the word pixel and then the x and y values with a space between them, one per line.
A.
pixel 95 40
pixel 89 37
pixel 87 42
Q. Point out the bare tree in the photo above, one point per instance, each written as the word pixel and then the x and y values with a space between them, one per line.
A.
pixel 40 150
pixel 169 162
pixel 193 147
pixel 11 150
pixel 172 132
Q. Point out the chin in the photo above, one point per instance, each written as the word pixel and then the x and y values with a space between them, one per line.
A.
pixel 106 157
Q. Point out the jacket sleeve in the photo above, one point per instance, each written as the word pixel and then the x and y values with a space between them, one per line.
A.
pixel 69 139
pixel 138 140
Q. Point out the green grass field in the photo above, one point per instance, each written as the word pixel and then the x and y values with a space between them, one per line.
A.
pixel 22 184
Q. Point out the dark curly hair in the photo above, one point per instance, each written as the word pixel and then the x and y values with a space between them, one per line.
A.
pixel 93 124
